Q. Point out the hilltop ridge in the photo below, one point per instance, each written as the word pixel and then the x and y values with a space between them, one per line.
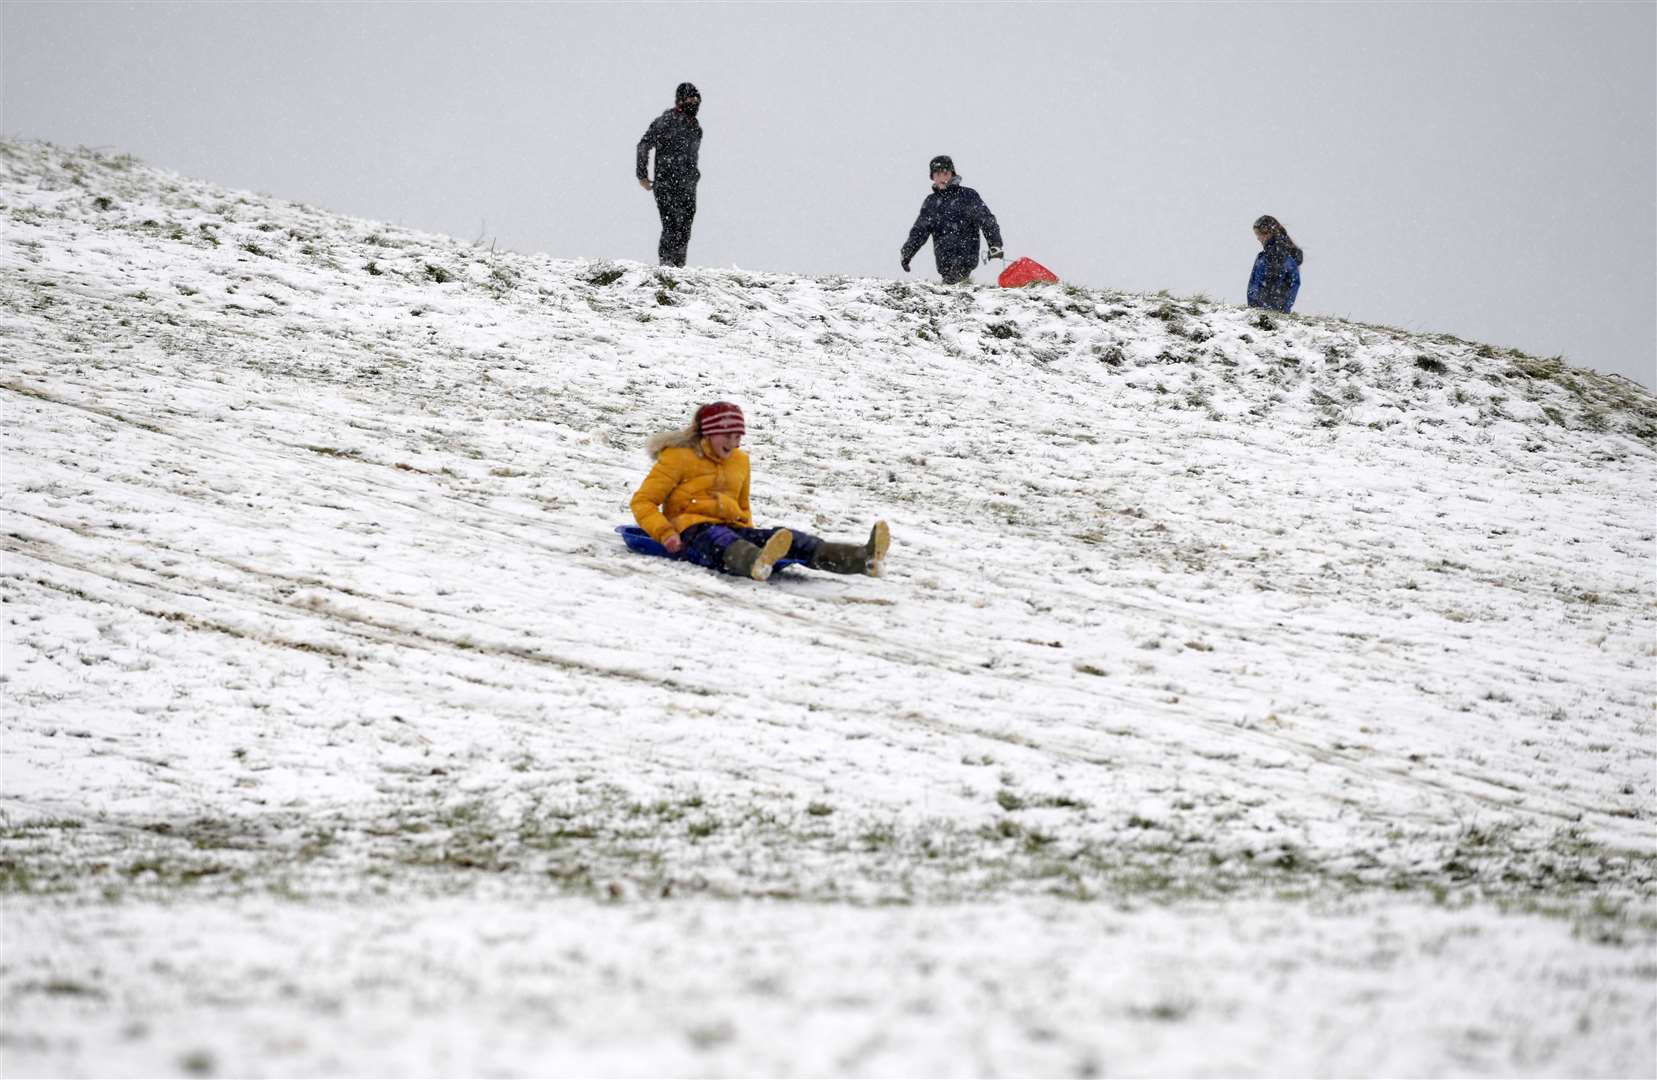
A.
pixel 1217 358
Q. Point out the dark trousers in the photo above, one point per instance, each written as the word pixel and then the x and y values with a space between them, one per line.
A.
pixel 956 275
pixel 705 544
pixel 677 207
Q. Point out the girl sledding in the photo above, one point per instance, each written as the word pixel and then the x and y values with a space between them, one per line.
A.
pixel 695 504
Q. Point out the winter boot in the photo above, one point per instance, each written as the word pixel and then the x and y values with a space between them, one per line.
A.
pixel 869 558
pixel 750 560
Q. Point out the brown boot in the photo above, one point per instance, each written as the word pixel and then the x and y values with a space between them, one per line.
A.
pixel 880 538
pixel 866 558
pixel 750 560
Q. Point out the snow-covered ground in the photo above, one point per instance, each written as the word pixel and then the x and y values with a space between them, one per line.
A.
pixel 1244 696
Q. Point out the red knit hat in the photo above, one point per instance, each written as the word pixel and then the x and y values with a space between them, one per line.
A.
pixel 719 418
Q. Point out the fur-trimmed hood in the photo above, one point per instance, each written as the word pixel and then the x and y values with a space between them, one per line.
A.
pixel 688 437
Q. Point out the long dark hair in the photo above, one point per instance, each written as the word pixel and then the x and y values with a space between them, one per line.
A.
pixel 1274 230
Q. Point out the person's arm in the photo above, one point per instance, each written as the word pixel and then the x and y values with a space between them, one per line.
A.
pixel 652 138
pixel 1257 279
pixel 991 227
pixel 747 518
pixel 917 236
pixel 647 501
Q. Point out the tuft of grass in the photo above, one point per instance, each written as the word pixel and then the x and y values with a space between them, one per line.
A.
pixel 438 273
pixel 1167 1011
pixel 1535 367
pixel 878 836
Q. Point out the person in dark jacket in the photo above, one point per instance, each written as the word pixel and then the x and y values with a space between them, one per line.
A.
pixel 676 136
pixel 1275 280
pixel 952 216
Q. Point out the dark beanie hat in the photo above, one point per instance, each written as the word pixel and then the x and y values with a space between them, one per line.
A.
pixel 685 90
pixel 942 161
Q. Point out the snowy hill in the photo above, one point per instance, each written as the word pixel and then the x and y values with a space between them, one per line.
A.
pixel 1245 694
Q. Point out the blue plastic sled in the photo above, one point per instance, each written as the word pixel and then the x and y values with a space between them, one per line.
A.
pixel 642 542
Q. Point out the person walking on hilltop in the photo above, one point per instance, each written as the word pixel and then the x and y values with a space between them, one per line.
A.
pixel 676 136
pixel 1275 280
pixel 952 217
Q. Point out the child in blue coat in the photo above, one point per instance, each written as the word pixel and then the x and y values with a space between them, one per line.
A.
pixel 1275 281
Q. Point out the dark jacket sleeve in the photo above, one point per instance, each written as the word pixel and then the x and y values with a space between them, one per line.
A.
pixel 924 224
pixel 987 222
pixel 652 138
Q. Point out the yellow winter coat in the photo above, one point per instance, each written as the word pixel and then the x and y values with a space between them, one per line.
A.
pixel 692 487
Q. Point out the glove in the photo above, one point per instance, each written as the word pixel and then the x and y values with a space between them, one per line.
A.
pixel 995 253
pixel 905 265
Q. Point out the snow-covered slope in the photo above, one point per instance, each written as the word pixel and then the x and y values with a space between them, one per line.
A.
pixel 1284 684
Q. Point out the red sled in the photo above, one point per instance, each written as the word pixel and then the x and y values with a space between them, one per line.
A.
pixel 1026 272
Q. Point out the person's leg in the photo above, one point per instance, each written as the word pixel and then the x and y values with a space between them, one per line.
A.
pixel 705 544
pixel 677 210
pixel 665 210
pixel 866 558
pixel 687 215
pixel 722 548
pixel 804 547
pixel 956 276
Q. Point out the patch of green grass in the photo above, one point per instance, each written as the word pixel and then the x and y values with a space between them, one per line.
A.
pixel 878 836
pixel 1534 367
pixel 159 869
pixel 59 986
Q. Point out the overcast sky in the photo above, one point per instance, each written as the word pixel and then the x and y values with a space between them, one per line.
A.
pixel 1487 170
